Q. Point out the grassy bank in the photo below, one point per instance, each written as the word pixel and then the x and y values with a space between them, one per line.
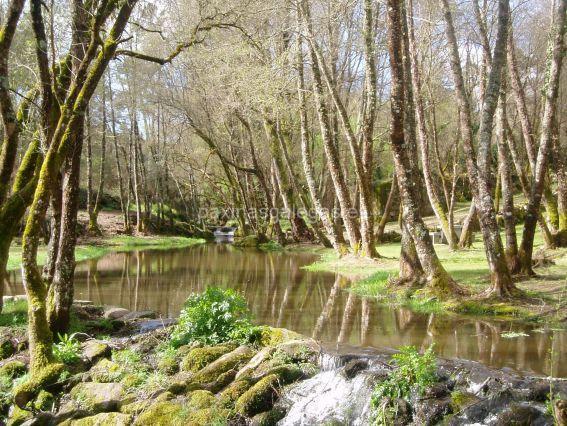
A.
pixel 100 246
pixel 543 299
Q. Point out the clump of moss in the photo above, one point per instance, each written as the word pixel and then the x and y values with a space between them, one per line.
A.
pixel 460 400
pixel 225 363
pixel 106 371
pixel 164 413
pixel 200 399
pixel 28 390
pixel 232 392
pixel 13 369
pixel 258 398
pixel 198 358
pixel 209 416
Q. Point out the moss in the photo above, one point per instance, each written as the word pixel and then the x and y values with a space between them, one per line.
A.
pixel 268 418
pixel 44 401
pixel 460 400
pixel 106 371
pixel 168 365
pixel 275 336
pixel 18 416
pixel 137 406
pixel 209 417
pixel 258 398
pixel 225 363
pixel 133 380
pixel 13 369
pixel 164 413
pixel 102 419
pixel 28 390
pixel 198 358
pixel 200 399
pixel 232 392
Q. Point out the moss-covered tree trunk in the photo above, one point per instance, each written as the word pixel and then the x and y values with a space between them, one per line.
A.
pixel 479 164
pixel 437 279
pixel 550 110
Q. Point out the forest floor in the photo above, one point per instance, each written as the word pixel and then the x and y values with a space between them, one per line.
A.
pixel 111 239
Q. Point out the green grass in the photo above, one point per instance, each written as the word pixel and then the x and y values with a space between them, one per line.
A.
pixel 115 244
pixel 14 314
pixel 468 267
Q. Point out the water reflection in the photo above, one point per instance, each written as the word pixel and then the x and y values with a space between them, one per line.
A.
pixel 280 293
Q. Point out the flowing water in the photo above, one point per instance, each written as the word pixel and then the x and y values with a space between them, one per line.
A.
pixel 280 293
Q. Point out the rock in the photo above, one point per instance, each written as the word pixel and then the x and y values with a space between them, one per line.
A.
pixel 136 407
pixel 163 413
pixel 262 356
pixel 132 316
pixel 268 418
pixel 7 347
pixel 115 313
pixel 151 325
pixel 98 397
pixel 353 367
pixel 233 391
pixel 198 358
pixel 227 362
pixel 208 416
pixel 200 399
pixel 431 411
pixel 522 415
pixel 93 350
pixel 476 413
pixel 299 350
pixel 274 336
pixel 83 303
pixel 286 373
pixel 102 419
pixel 258 398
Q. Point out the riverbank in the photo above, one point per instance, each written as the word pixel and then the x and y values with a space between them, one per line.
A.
pixel 544 295
pixel 140 373
pixel 95 247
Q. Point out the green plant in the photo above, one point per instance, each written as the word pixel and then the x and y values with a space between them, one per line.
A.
pixel 212 317
pixel 415 372
pixel 67 349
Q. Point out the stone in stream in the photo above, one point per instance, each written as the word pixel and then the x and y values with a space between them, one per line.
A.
pixel 115 313
pixel 136 315
pixel 151 325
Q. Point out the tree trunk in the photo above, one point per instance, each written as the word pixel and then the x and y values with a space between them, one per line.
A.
pixel 478 166
pixel 437 279
pixel 436 204
pixel 387 209
pixel 504 169
pixel 540 169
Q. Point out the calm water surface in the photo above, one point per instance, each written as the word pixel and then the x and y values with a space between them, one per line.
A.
pixel 280 293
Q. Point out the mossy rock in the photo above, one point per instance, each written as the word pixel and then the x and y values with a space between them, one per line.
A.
pixel 225 363
pixel 133 380
pixel 165 413
pixel 274 336
pixel 102 419
pixel 199 358
pixel 97 397
pixel 460 400
pixel 208 416
pixel 136 407
pixel 262 356
pixel 300 350
pixel 13 369
pixel 233 391
pixel 94 350
pixel 268 418
pixel 200 399
pixel 259 397
pixel 287 373
pixel 106 371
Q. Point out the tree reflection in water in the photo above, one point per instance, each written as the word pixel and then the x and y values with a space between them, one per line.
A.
pixel 280 293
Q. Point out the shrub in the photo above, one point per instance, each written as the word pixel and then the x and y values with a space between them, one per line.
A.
pixel 212 317
pixel 414 373
pixel 67 349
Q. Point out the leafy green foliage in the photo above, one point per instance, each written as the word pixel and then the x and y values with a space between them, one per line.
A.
pixel 415 372
pixel 14 314
pixel 67 349
pixel 213 317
